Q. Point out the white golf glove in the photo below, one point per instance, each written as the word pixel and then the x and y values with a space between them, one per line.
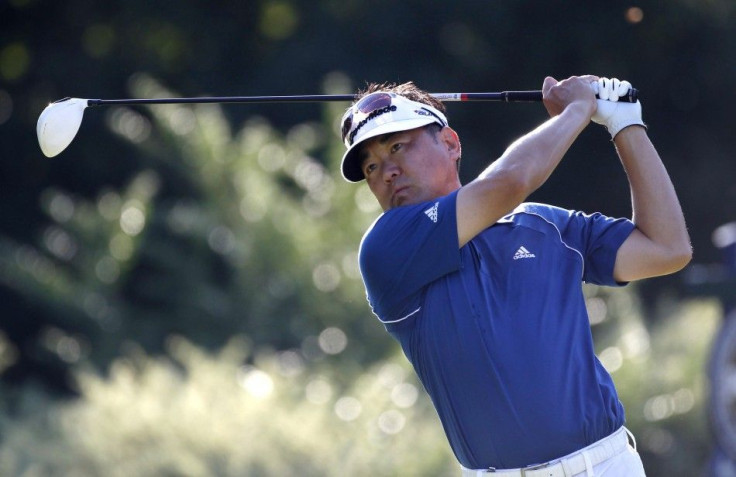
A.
pixel 611 113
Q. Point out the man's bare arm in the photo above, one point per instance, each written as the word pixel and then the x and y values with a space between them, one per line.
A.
pixel 529 161
pixel 660 244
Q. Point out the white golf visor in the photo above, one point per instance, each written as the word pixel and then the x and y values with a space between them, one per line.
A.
pixel 376 114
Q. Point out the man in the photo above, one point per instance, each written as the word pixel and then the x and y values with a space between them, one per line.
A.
pixel 483 292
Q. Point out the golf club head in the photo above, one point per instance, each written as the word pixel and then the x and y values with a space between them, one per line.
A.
pixel 58 124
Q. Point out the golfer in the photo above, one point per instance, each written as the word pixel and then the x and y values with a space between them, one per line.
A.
pixel 484 291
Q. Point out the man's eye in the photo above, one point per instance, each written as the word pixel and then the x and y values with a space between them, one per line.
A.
pixel 370 168
pixel 396 147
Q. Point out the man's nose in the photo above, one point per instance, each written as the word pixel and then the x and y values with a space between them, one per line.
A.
pixel 390 171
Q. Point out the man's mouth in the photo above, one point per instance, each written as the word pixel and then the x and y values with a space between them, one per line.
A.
pixel 398 192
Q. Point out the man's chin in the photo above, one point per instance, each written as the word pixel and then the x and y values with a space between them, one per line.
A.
pixel 402 201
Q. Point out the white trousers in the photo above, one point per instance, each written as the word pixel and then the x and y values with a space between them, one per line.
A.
pixel 626 464
pixel 613 456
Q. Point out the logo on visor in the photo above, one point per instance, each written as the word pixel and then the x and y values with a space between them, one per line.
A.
pixel 374 114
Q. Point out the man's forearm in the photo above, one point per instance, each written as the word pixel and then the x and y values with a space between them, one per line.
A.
pixel 656 209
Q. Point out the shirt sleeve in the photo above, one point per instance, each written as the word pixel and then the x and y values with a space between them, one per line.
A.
pixel 598 238
pixel 406 249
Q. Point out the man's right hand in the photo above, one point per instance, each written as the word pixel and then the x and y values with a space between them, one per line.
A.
pixel 558 95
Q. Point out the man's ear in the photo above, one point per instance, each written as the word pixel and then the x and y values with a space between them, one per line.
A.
pixel 452 141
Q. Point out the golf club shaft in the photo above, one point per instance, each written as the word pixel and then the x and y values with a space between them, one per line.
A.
pixel 503 96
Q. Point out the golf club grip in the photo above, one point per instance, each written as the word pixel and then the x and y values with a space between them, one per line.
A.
pixel 517 96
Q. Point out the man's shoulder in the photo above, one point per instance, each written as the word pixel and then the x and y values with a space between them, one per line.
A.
pixel 424 213
pixel 545 211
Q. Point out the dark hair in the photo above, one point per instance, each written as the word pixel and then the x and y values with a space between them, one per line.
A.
pixel 407 90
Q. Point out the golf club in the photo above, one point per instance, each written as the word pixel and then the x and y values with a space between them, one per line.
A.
pixel 60 120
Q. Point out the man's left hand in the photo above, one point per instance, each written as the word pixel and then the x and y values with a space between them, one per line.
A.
pixel 615 115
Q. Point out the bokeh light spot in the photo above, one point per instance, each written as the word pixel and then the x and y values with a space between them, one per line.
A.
pixel 390 375
pixel 348 408
pixel 333 341
pixel 326 277
pixel 61 208
pixel 121 247
pixel 14 61
pixel 132 220
pixel 391 422
pixel 129 124
pixel 107 270
pixel 318 391
pixel 350 265
pixel 634 15
pixel 98 40
pixel 256 382
pixel 404 395
pixel 612 359
pixel 109 205
pixel 597 310
pixel 271 157
pixel 221 240
pixel 290 363
pixel 278 20
pixel 60 243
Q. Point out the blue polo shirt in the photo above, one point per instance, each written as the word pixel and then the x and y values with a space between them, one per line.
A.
pixel 497 330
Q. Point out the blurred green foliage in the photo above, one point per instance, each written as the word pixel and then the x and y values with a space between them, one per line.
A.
pixel 198 414
pixel 193 413
pixel 179 292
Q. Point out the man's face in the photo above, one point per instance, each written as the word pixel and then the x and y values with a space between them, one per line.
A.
pixel 409 167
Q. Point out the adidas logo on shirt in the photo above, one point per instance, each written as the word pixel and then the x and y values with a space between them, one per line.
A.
pixel 432 212
pixel 523 253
